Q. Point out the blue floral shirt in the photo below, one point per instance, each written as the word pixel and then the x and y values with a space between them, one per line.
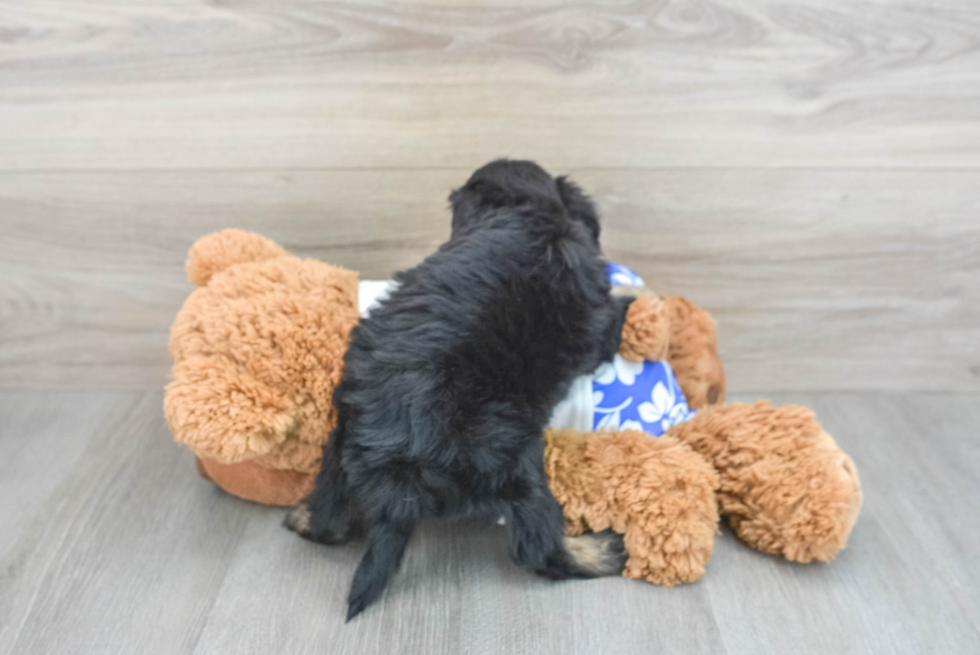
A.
pixel 640 396
pixel 624 395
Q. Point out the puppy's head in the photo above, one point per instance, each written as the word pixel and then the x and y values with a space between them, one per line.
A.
pixel 512 183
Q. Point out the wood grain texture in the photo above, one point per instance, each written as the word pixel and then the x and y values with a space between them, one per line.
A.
pixel 803 168
pixel 819 279
pixel 122 553
pixel 118 547
pixel 179 84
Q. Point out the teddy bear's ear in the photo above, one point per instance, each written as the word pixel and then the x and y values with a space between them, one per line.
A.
pixel 216 252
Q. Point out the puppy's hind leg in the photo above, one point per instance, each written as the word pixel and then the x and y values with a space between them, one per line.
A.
pixel 328 515
pixel 597 554
pixel 537 541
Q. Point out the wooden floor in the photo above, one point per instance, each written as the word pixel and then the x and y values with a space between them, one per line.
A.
pixel 112 544
pixel 808 170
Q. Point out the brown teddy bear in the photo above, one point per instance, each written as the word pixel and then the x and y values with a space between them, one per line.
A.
pixel 258 349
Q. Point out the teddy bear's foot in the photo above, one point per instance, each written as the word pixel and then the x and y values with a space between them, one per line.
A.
pixel 252 481
pixel 786 486
pixel 657 492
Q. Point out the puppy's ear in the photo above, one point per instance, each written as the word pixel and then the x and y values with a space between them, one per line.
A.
pixel 579 205
pixel 459 205
pixel 468 205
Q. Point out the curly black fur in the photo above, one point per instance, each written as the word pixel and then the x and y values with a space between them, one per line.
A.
pixel 449 384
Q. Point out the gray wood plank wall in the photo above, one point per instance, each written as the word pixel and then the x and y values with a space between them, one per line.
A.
pixel 806 169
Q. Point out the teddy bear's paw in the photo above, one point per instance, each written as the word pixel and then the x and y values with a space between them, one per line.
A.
pixel 646 332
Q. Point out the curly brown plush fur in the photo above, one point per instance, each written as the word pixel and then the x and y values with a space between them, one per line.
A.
pixel 257 354
pixel 220 251
pixel 786 486
pixel 657 492
pixel 646 333
pixel 252 480
pixel 693 353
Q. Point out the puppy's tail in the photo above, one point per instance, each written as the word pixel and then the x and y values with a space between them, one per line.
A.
pixel 596 554
pixel 386 547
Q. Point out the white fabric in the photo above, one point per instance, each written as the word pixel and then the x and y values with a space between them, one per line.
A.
pixel 372 292
pixel 577 409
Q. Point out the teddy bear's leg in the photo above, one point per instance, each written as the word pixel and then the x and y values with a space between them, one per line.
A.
pixel 261 484
pixel 657 492
pixel 242 431
pixel 786 486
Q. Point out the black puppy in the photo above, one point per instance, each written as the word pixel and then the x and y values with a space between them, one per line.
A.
pixel 449 384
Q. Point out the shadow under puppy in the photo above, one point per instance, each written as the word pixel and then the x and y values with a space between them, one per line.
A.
pixel 449 383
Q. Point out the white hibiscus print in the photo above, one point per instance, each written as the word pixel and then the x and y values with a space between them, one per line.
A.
pixel 619 369
pixel 678 414
pixel 665 407
pixel 662 400
pixel 632 425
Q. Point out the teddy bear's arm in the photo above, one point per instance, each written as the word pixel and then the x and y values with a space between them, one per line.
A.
pixel 646 331
pixel 674 329
pixel 693 353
